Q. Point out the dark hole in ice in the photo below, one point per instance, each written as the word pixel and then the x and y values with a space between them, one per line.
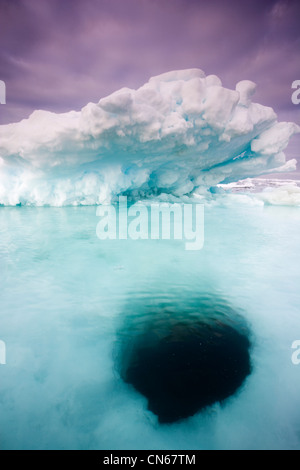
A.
pixel 184 363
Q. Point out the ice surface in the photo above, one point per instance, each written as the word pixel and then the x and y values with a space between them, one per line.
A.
pixel 287 195
pixel 271 191
pixel 181 132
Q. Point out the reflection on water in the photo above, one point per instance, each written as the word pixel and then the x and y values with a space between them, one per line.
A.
pixel 183 358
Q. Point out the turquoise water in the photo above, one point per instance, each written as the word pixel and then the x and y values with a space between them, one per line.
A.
pixel 67 301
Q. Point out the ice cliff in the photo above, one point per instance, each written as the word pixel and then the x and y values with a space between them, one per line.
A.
pixel 180 133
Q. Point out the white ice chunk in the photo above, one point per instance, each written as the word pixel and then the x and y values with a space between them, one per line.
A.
pixel 246 89
pixel 180 133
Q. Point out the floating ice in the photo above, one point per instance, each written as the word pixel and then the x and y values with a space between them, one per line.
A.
pixel 287 195
pixel 273 192
pixel 180 133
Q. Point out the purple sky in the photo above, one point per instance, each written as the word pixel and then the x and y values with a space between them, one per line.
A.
pixel 60 54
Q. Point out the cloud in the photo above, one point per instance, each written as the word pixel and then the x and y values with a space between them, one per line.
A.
pixel 60 55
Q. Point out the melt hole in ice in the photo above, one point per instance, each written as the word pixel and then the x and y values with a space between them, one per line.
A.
pixel 185 363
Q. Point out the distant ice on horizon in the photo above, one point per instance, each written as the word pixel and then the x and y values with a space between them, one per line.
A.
pixel 275 192
pixel 181 133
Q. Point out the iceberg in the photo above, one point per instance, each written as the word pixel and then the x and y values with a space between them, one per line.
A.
pixel 181 133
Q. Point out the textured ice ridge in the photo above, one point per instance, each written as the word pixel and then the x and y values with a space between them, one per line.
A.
pixel 180 133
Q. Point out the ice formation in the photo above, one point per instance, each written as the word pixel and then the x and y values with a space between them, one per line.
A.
pixel 286 195
pixel 273 192
pixel 180 133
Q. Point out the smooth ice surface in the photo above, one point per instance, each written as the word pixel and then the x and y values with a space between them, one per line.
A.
pixel 182 132
pixel 64 310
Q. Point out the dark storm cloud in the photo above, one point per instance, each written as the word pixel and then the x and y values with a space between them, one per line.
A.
pixel 60 54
